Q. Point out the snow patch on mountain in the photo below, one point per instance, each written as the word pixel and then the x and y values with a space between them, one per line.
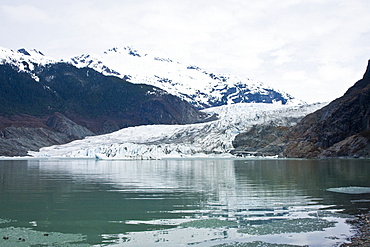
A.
pixel 199 87
pixel 194 140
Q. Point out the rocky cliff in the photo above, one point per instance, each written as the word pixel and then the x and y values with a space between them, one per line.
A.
pixel 22 133
pixel 340 129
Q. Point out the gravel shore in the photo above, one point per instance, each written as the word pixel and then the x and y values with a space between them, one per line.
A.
pixel 362 237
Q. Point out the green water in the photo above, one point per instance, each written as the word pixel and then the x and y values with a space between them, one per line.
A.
pixel 198 202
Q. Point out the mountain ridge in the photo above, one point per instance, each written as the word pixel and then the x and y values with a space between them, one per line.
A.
pixel 201 88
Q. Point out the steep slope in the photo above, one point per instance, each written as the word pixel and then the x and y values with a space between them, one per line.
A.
pixel 201 88
pixel 340 129
pixel 100 103
pixel 193 140
pixel 108 100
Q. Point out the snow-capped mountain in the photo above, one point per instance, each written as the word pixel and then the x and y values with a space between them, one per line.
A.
pixel 25 60
pixel 201 88
pixel 193 140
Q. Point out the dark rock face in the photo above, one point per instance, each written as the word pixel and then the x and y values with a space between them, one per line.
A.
pixel 240 93
pixel 339 129
pixel 64 125
pixel 22 133
pixel 258 141
pixel 355 146
pixel 17 141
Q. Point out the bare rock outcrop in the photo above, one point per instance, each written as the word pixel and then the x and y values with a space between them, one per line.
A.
pixel 22 133
pixel 260 140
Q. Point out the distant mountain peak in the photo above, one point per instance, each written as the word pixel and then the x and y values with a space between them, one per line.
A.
pixel 25 60
pixel 24 52
pixel 132 51
pixel 32 52
pixel 129 49
pixel 367 72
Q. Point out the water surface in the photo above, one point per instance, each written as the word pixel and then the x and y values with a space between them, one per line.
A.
pixel 196 202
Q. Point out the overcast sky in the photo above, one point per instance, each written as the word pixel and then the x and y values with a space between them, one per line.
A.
pixel 312 49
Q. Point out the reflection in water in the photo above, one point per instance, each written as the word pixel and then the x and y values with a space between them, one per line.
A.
pixel 179 202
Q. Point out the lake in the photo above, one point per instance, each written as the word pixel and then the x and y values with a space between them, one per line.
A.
pixel 183 202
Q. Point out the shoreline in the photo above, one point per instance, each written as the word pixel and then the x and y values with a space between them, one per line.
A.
pixel 361 224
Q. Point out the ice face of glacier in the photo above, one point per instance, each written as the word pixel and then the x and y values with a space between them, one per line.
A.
pixel 193 140
pixel 202 88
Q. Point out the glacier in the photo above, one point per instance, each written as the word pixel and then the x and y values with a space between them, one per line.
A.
pixel 211 139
